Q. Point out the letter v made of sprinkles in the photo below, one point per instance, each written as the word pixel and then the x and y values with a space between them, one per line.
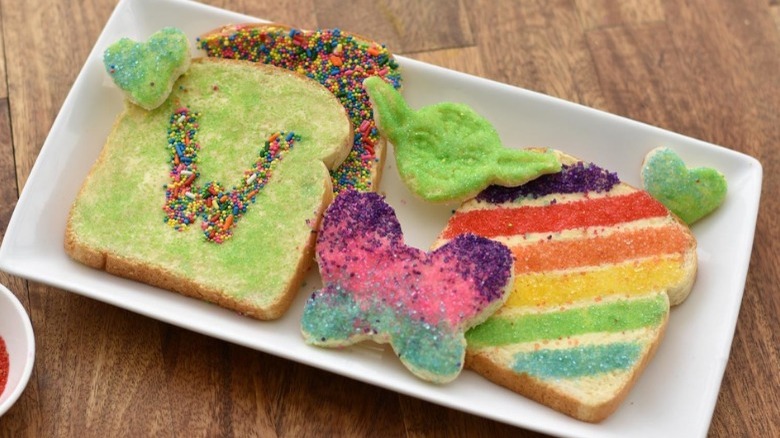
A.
pixel 218 208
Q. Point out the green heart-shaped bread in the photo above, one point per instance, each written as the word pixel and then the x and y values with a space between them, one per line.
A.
pixel 691 194
pixel 146 71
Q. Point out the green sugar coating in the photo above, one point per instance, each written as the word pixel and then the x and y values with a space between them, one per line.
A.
pixel 691 194
pixel 609 317
pixel 587 360
pixel 447 152
pixel 146 71
pixel 120 207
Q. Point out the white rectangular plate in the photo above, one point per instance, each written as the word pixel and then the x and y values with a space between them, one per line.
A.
pixel 674 397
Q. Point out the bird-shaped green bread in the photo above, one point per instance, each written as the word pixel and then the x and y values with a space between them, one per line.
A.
pixel 447 152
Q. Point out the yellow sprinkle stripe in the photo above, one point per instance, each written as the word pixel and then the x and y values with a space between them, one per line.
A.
pixel 631 278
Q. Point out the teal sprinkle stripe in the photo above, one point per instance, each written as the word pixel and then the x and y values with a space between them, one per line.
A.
pixel 578 362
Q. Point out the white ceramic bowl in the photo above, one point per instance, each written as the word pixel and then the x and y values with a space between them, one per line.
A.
pixel 16 330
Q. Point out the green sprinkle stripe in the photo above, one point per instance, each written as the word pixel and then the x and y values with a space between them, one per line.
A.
pixel 610 317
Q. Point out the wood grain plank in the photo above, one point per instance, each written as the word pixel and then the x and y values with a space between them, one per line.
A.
pixel 296 13
pixel 9 193
pixel 754 361
pixel 3 75
pixel 649 74
pixel 96 371
pixel 730 49
pixel 320 403
pixel 258 385
pixel 405 26
pixel 774 10
pixel 197 376
pixel 65 32
pixel 738 74
pixel 424 419
pixel 604 13
pixel 640 71
pixel 222 389
pixel 537 45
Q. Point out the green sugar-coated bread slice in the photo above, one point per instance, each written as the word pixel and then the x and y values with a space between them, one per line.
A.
pixel 215 194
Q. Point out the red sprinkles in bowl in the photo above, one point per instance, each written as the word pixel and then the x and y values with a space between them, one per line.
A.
pixel 4 365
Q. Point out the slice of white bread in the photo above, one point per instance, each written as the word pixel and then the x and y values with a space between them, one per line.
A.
pixel 597 264
pixel 118 224
pixel 337 59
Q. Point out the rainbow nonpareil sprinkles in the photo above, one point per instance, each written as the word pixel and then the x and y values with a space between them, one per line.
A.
pixel 337 60
pixel 218 207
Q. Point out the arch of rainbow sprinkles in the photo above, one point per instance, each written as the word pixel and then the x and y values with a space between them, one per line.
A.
pixel 338 60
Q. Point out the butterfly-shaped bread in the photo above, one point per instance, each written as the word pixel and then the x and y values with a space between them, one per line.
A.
pixel 376 287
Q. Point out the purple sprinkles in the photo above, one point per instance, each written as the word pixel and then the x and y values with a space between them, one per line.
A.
pixel 488 263
pixel 574 178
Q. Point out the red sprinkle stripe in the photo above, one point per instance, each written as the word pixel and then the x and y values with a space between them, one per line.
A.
pixel 602 211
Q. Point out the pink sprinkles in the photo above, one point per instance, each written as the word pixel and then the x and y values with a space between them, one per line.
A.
pixel 218 208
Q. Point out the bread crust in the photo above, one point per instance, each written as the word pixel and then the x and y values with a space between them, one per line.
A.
pixel 380 149
pixel 538 391
pixel 138 270
pixel 691 266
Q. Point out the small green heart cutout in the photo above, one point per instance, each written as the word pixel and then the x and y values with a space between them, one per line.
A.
pixel 691 194
pixel 146 71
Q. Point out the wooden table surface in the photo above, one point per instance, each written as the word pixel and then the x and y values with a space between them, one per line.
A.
pixel 709 69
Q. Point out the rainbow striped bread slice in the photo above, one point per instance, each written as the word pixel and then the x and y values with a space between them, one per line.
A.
pixel 597 265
